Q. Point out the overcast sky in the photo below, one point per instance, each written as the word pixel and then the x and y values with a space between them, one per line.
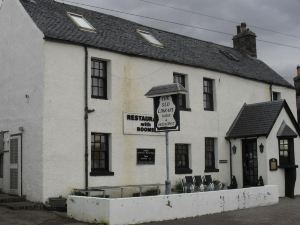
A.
pixel 277 15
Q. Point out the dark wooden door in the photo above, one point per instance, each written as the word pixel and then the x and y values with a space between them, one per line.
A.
pixel 250 165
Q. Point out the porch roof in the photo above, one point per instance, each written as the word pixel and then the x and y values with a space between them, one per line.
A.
pixel 255 120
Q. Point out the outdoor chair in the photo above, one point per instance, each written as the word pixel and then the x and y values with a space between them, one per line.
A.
pixel 208 183
pixel 188 184
pixel 198 183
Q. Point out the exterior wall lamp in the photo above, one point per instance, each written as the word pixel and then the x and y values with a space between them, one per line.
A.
pixel 261 148
pixel 234 149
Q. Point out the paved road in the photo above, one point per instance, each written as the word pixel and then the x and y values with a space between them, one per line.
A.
pixel 287 212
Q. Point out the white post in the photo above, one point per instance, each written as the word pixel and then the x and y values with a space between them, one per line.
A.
pixel 168 182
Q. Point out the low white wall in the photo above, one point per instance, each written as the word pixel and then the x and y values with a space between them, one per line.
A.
pixel 158 208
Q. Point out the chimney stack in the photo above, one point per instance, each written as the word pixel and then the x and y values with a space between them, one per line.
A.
pixel 245 40
pixel 297 87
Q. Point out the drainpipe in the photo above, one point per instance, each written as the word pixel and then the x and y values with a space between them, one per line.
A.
pixel 271 92
pixel 86 117
pixel 230 160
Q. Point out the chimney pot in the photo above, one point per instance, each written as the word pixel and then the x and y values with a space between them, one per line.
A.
pixel 298 70
pixel 238 29
pixel 243 27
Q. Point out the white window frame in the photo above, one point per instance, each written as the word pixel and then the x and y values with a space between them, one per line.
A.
pixel 89 26
pixel 150 38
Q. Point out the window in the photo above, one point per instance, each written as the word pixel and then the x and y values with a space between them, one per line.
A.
pixel 276 96
pixel 208 96
pixel 99 79
pixel 150 38
pixel 1 165
pixel 100 154
pixel 210 155
pixel 81 22
pixel 180 79
pixel 1 154
pixel 286 151
pixel 182 159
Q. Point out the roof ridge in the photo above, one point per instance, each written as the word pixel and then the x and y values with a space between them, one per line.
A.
pixel 266 102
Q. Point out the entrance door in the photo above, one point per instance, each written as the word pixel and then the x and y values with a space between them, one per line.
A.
pixel 15 165
pixel 250 166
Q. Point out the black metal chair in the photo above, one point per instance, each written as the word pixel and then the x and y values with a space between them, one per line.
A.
pixel 189 184
pixel 198 183
pixel 208 183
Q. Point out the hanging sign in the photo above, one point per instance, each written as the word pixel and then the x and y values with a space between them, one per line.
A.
pixel 166 113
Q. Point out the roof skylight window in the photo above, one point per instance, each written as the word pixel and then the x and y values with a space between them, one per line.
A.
pixel 229 55
pixel 81 22
pixel 150 38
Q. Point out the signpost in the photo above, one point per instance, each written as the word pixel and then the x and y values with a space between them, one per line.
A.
pixel 166 116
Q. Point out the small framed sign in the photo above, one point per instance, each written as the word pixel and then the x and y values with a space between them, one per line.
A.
pixel 273 164
pixel 166 113
pixel 145 156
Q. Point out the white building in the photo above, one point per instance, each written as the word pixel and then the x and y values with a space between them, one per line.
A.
pixel 72 88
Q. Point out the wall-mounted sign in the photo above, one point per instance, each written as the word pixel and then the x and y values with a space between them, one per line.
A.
pixel 145 156
pixel 140 124
pixel 223 161
pixel 166 111
pixel 273 164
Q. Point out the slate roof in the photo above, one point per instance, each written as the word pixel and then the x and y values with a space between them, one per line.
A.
pixel 166 89
pixel 256 120
pixel 285 131
pixel 119 35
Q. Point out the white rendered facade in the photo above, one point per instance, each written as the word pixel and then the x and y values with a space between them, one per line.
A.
pixel 43 92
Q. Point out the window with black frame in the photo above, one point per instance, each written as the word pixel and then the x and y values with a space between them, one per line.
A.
pixel 210 155
pixel 285 157
pixel 99 153
pixel 99 78
pixel 180 79
pixel 1 165
pixel 182 159
pixel 208 94
pixel 1 154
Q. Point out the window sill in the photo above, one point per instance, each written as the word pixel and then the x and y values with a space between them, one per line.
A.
pixel 101 173
pixel 211 170
pixel 102 98
pixel 186 109
pixel 209 110
pixel 183 171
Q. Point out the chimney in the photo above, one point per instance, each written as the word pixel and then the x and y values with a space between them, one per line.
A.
pixel 297 87
pixel 245 40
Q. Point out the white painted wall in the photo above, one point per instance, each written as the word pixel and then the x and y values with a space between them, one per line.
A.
pixel 21 73
pixel 129 79
pixel 167 207
pixel 278 177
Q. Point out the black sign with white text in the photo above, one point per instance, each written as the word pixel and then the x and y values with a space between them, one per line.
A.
pixel 145 156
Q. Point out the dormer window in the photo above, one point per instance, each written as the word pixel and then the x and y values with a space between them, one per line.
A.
pixel 81 22
pixel 150 38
